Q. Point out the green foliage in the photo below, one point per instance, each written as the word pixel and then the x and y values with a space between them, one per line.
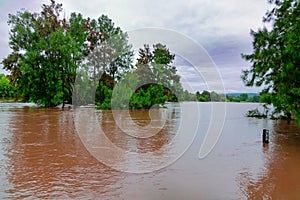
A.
pixel 187 96
pixel 7 90
pixel 215 97
pixel 207 96
pixel 255 99
pixel 106 94
pixel 110 52
pixel 155 66
pixel 151 83
pixel 123 91
pixel 46 51
pixel 49 50
pixel 243 97
pixel 148 96
pixel 275 58
pixel 84 88
pixel 204 96
pixel 256 113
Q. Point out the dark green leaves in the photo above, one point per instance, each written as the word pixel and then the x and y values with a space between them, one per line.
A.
pixel 49 50
pixel 276 59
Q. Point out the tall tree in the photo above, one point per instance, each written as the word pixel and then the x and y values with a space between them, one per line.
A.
pixel 110 56
pixel 156 65
pixel 46 52
pixel 276 59
pixel 110 51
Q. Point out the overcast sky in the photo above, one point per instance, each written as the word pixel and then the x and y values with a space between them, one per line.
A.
pixel 221 27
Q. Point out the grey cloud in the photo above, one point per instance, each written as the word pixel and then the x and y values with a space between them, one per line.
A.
pixel 222 27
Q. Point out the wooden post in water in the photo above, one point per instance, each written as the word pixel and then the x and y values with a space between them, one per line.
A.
pixel 265 136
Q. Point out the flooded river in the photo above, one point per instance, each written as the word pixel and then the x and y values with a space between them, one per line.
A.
pixel 44 156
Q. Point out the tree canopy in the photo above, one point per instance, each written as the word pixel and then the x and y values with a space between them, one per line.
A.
pixel 157 77
pixel 6 88
pixel 276 60
pixel 48 51
pixel 152 81
pixel 55 58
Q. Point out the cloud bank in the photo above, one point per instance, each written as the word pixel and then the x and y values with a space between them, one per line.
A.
pixel 222 27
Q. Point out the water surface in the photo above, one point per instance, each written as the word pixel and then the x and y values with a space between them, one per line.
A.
pixel 42 156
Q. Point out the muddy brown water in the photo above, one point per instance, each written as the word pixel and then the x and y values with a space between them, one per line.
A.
pixel 43 157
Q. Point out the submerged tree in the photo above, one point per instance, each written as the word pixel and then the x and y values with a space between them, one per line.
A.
pixel 49 50
pixel 276 59
pixel 157 76
pixel 46 52
pixel 7 90
pixel 110 57
pixel 153 82
pixel 155 66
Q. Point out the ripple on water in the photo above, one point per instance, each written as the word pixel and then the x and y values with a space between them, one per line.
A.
pixel 41 156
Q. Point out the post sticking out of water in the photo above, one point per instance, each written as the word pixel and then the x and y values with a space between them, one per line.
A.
pixel 265 136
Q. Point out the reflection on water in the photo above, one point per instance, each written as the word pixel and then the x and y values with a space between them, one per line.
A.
pixel 280 178
pixel 164 124
pixel 42 157
pixel 47 160
pixel 125 146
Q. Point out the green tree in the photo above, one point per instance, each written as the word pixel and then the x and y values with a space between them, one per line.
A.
pixel 151 83
pixel 123 92
pixel 198 94
pixel 255 99
pixel 46 52
pixel 244 97
pixel 153 95
pixel 204 96
pixel 214 96
pixel 155 66
pixel 275 58
pixel 7 90
pixel 109 58
pixel 110 51
pixel 187 96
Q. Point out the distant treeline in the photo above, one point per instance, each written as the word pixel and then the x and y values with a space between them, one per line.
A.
pixel 207 96
pixel 243 97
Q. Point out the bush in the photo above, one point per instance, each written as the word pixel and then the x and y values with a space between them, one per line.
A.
pixel 7 90
pixel 255 113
